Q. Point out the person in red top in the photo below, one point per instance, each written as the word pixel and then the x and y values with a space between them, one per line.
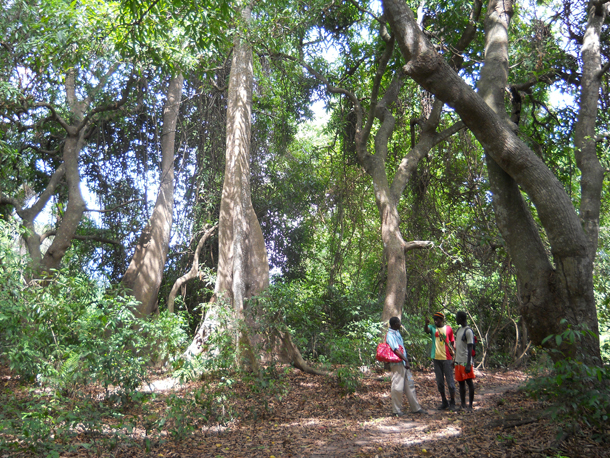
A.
pixel 442 356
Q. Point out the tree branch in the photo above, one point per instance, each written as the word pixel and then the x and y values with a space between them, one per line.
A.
pixel 31 213
pixel 457 60
pixel 383 63
pixel 387 119
pixel 62 122
pixel 6 200
pixel 103 80
pixel 362 10
pixel 445 134
pixel 39 150
pixel 113 208
pixel 192 273
pixel 110 106
pixel 417 244
pixel 95 238
pixel 604 69
pixel 548 78
pixel 332 89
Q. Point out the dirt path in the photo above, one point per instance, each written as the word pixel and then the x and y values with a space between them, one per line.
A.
pixel 415 431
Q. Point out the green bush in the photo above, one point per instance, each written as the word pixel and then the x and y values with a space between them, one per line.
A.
pixel 577 392
pixel 68 332
pixel 349 379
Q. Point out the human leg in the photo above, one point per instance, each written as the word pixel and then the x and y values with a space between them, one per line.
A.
pixel 470 383
pixel 463 393
pixel 398 384
pixel 448 370
pixel 440 382
pixel 409 390
pixel 464 378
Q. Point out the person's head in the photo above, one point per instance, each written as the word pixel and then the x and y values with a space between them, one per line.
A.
pixel 439 319
pixel 461 317
pixel 395 323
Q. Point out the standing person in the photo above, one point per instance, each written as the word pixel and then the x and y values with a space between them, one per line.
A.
pixel 441 354
pixel 402 379
pixel 464 372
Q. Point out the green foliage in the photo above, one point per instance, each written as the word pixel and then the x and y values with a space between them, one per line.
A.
pixel 66 332
pixel 335 327
pixel 577 392
pixel 173 34
pixel 417 343
pixel 47 425
pixel 349 379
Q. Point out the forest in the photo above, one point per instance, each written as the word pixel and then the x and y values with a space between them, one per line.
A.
pixel 211 209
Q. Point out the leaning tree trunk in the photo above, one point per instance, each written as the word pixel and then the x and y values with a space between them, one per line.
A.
pixel 145 271
pixel 565 292
pixel 536 275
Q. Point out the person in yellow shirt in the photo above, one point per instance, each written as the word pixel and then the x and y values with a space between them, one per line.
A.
pixel 442 356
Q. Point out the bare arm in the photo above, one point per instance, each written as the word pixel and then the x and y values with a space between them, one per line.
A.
pixel 469 360
pixel 403 357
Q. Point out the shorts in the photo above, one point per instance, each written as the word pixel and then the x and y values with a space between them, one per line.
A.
pixel 460 373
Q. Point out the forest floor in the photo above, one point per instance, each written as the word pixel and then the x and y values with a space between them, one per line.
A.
pixel 310 416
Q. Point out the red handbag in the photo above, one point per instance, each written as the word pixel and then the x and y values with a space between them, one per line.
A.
pixel 385 354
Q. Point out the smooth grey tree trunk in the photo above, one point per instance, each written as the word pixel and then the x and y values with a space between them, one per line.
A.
pixel 145 271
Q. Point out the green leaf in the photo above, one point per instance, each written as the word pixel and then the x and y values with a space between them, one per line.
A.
pixel 558 340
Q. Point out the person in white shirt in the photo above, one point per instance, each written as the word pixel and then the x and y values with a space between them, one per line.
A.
pixel 464 372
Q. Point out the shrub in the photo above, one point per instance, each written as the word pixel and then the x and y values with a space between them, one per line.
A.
pixel 577 391
pixel 69 332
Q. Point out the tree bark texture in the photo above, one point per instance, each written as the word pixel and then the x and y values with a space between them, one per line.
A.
pixel 145 271
pixel 387 195
pixel 243 268
pixel 592 172
pixel 566 290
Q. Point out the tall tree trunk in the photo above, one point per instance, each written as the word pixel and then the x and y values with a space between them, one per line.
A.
pixel 592 173
pixel 243 268
pixel 145 271
pixel 387 196
pixel 567 290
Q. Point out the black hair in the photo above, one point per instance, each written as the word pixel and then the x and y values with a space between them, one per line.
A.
pixel 394 321
pixel 460 316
